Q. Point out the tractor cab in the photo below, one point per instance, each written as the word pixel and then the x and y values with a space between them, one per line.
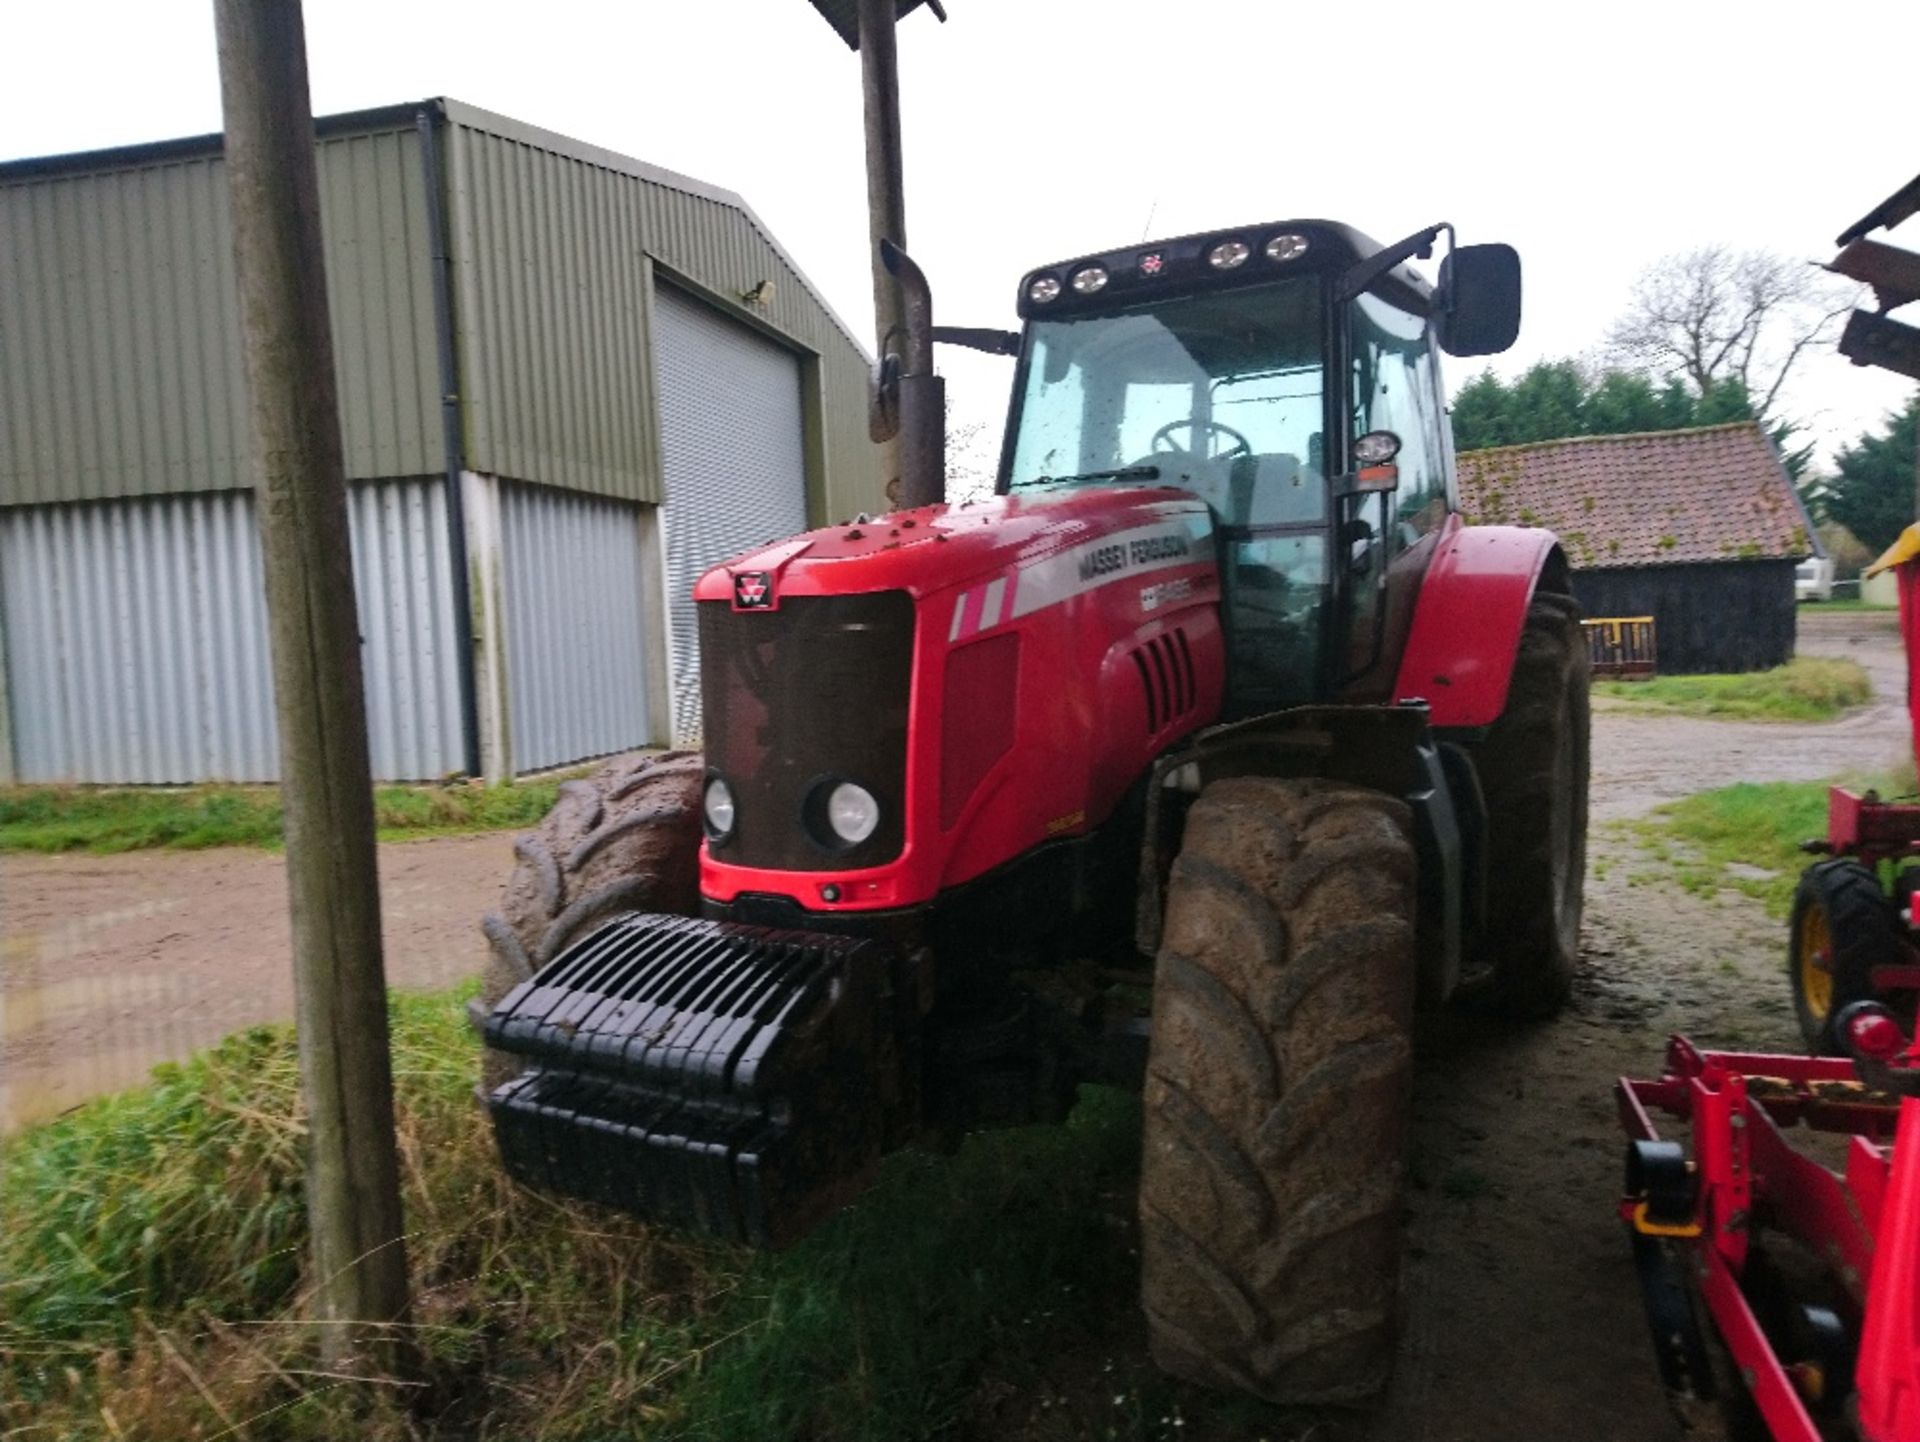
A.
pixel 1287 375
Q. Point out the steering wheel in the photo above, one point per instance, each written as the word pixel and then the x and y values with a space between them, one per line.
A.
pixel 1202 431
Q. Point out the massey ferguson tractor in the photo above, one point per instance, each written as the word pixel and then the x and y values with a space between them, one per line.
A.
pixel 1216 701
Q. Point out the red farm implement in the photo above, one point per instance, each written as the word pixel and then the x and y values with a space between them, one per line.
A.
pixel 1797 1261
pixel 1810 1276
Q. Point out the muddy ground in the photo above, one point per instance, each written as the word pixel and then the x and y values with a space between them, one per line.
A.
pixel 1523 1322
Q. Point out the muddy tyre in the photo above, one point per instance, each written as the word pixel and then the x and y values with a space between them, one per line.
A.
pixel 626 838
pixel 1843 926
pixel 1533 765
pixel 1277 1092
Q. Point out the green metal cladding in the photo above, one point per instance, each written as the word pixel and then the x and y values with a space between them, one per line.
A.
pixel 119 342
pixel 119 347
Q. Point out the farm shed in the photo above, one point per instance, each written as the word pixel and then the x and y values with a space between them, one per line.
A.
pixel 569 382
pixel 1699 529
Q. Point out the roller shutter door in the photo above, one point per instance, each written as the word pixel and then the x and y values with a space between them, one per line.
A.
pixel 734 461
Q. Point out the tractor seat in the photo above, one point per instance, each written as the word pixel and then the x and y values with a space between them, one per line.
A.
pixel 1273 489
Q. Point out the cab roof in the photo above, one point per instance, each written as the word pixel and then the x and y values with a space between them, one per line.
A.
pixel 1181 266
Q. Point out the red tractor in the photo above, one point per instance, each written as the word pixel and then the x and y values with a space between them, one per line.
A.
pixel 1217 701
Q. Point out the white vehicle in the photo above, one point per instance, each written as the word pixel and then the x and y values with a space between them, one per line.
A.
pixel 1813 579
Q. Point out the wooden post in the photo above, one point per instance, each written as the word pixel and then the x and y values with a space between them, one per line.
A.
pixel 340 996
pixel 886 190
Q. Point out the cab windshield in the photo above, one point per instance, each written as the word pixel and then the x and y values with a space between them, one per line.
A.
pixel 1219 394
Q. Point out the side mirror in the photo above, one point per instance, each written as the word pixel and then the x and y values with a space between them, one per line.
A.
pixel 1477 302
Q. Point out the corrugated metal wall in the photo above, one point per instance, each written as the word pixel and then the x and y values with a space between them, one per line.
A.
pixel 120 373
pixel 734 454
pixel 409 655
pixel 137 642
pixel 550 237
pixel 578 626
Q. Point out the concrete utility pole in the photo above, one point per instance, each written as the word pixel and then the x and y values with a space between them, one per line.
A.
pixel 340 994
pixel 886 190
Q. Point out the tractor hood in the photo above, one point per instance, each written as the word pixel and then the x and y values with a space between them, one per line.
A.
pixel 936 548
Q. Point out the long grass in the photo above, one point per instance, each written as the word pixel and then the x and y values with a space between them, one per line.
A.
pixel 152 1272
pixel 106 819
pixel 1807 688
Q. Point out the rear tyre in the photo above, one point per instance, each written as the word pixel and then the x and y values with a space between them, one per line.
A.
pixel 626 838
pixel 1277 1092
pixel 1843 926
pixel 1533 767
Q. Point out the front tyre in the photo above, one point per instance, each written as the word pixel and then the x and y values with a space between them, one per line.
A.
pixel 1277 1092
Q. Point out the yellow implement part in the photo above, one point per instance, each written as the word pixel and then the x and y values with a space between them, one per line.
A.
pixel 1647 1227
pixel 1816 963
pixel 1904 549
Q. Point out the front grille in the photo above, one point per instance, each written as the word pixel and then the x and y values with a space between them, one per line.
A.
pixel 797 699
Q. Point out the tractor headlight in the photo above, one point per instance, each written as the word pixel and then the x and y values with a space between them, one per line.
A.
pixel 1286 247
pixel 1088 280
pixel 852 812
pixel 717 806
pixel 1043 288
pixel 1228 254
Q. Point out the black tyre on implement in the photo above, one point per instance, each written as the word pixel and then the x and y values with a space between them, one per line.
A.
pixel 1278 1089
pixel 1843 926
pixel 1533 765
pixel 626 838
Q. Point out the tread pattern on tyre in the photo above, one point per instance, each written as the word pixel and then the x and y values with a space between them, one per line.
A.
pixel 1532 936
pixel 626 838
pixel 1863 930
pixel 1278 1089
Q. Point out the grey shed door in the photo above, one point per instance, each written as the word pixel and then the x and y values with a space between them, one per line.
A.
pixel 734 458
pixel 136 637
pixel 577 625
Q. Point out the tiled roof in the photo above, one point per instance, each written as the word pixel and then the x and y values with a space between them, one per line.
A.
pixel 1663 498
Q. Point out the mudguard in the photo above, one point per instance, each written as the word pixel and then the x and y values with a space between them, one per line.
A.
pixel 1466 627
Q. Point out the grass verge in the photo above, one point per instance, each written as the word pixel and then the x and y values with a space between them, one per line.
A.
pixel 1807 688
pixel 108 819
pixel 1745 837
pixel 1846 605
pixel 152 1256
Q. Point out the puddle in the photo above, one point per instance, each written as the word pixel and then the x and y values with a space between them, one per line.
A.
pixel 65 1040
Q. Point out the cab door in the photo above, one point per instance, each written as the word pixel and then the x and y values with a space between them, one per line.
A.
pixel 1389 537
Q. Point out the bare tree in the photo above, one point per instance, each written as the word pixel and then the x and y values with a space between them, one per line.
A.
pixel 1714 315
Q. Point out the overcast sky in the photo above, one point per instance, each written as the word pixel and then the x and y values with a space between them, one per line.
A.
pixel 1594 137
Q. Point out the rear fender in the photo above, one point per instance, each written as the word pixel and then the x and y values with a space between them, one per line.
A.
pixel 1466 625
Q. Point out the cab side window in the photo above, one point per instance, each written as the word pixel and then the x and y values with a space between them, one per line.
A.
pixel 1394 390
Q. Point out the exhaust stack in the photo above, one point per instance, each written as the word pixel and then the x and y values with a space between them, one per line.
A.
pixel 920 395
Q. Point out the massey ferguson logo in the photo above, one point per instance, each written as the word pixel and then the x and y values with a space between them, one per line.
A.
pixel 753 591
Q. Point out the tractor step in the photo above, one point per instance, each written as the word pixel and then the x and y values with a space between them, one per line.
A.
pixel 731 1079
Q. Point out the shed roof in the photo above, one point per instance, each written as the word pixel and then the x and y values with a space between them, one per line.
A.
pixel 1660 498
